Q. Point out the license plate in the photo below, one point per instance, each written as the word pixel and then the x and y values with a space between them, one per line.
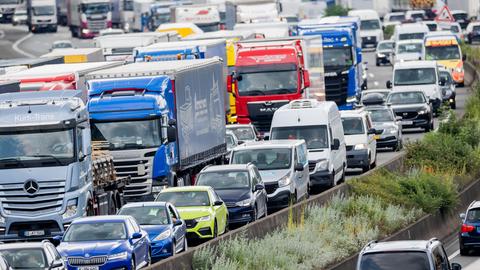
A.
pixel 88 268
pixel 407 123
pixel 34 233
pixel 376 137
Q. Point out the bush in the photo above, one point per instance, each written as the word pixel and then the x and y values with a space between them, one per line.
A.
pixel 336 10
pixel 388 31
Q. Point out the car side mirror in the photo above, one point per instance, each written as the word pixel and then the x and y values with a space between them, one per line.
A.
pixel 335 145
pixel 306 78
pixel 462 216
pixel 456 266
pixel 136 235
pixel 217 203
pixel 171 134
pixel 371 131
pixel 57 239
pixel 298 167
pixel 389 84
pixel 258 187
pixel 177 223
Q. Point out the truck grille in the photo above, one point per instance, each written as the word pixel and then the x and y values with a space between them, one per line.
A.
pixel 140 184
pixel 93 261
pixel 97 25
pixel 271 188
pixel 47 199
pixel 336 88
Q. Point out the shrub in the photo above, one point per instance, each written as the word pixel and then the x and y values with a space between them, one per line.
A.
pixel 336 10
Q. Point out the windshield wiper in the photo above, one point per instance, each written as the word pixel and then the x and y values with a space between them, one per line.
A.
pixel 13 159
pixel 282 91
pixel 258 92
pixel 48 156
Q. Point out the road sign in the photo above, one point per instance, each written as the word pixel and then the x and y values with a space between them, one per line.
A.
pixel 444 15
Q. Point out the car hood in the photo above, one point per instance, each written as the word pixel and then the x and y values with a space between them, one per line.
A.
pixel 384 125
pixel 233 195
pixel 355 139
pixel 154 230
pixel 193 212
pixel 90 248
pixel 270 176
pixel 408 107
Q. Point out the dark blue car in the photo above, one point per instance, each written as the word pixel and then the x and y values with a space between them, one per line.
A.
pixel 105 242
pixel 469 236
pixel 162 223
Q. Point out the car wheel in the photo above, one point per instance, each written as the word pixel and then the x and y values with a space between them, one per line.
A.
pixel 255 213
pixel 366 167
pixel 133 265
pixel 215 229
pixel 464 251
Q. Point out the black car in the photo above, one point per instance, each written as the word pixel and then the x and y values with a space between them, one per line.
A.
pixel 413 107
pixel 468 237
pixel 34 255
pixel 384 53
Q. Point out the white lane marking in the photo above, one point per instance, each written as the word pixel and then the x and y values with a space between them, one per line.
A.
pixel 371 75
pixel 455 254
pixel 375 83
pixel 2 34
pixel 20 51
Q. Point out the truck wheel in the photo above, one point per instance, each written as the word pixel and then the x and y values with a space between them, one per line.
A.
pixel 111 205
pixel 90 211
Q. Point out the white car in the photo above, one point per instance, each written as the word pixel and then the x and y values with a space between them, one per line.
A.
pixel 408 50
pixel 415 15
pixel 453 27
pixel 19 17
pixel 393 18
pixel 61 44
pixel 473 32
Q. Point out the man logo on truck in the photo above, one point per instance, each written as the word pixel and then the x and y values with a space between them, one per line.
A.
pixel 31 186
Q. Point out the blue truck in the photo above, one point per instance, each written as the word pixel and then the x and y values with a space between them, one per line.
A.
pixel 164 121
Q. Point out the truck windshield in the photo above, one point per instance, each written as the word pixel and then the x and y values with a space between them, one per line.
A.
pixel 409 48
pixel 414 76
pixel 9 2
pixel 264 159
pixel 43 10
pixel 408 36
pixel 412 260
pixel 337 58
pixel 369 25
pixel 95 8
pixel 128 134
pixel 442 53
pixel 23 149
pixel 82 232
pixel 268 83
pixel 224 180
pixel 352 125
pixel 397 18
pixel 315 136
pixel 243 133
pixel 147 215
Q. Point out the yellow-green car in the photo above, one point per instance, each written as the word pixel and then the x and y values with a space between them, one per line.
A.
pixel 205 214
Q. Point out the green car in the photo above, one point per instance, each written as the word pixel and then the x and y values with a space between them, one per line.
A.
pixel 205 214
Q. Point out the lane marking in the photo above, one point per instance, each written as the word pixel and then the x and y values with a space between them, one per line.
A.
pixel 20 51
pixel 2 34
pixel 375 83
pixel 455 254
pixel 371 75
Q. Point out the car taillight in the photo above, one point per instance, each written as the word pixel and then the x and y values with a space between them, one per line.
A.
pixel 467 228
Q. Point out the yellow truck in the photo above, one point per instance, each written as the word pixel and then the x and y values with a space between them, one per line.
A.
pixel 78 55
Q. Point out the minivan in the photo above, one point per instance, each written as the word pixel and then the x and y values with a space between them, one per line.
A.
pixel 371 29
pixel 410 31
pixel 319 124
pixel 283 166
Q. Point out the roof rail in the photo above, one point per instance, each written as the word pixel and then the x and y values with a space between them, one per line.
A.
pixel 369 244
pixel 301 104
pixel 472 203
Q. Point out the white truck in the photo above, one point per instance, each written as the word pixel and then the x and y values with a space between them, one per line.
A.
pixel 7 9
pixel 207 17
pixel 265 29
pixel 370 26
pixel 42 15
pixel 248 11
pixel 472 7
pixel 381 6
pixel 87 17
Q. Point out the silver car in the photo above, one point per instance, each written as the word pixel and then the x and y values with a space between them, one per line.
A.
pixel 385 120
pixel 447 85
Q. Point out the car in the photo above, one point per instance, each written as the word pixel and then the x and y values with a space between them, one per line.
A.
pixel 231 140
pixel 473 32
pixel 454 28
pixel 448 88
pixel 360 139
pixel 61 44
pixel 409 50
pixel 19 17
pixel 414 108
pixel 410 31
pixel 365 94
pixel 384 51
pixel 166 230
pixel 469 234
pixel 203 211
pixel 461 17
pixel 390 126
pixel 405 254
pixel 432 25
pixel 371 30
pixel 415 15
pixel 244 132
pixel 241 188
pixel 33 255
pixel 393 18
pixel 283 165
pixel 105 242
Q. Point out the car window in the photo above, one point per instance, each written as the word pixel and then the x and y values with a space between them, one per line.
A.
pixel 473 215
pixel 440 260
pixel 26 258
pixel 172 213
pixel 135 226
pixel 96 231
pixel 353 125
pixel 146 215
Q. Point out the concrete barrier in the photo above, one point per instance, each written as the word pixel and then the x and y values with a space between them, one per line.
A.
pixel 471 74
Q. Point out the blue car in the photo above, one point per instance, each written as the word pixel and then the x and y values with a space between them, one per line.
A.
pixel 162 223
pixel 469 236
pixel 105 242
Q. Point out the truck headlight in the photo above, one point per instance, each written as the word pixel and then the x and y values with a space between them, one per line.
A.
pixel 322 165
pixel 71 209
pixel 204 218
pixel 246 202
pixel 118 256
pixel 163 235
pixel 360 146
pixel 284 181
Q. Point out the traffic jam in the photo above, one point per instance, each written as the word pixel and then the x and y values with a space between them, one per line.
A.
pixel 183 121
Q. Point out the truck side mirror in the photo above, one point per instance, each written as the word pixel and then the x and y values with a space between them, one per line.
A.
pixel 171 134
pixel 335 145
pixel 389 84
pixel 306 78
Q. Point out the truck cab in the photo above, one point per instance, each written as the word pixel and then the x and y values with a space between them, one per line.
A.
pixel 370 26
pixel 42 15
pixel 86 18
pixel 206 17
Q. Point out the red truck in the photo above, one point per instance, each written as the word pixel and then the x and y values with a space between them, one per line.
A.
pixel 268 74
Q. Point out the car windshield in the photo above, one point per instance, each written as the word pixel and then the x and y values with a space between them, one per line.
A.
pixel 352 125
pixel 417 16
pixel 95 231
pixel 460 16
pixel 147 215
pixel 128 134
pixel 23 148
pixel 409 48
pixel 243 133
pixel 411 260
pixel 225 180
pixel 455 29
pixel 397 18
pixel 95 8
pixel 264 159
pixel 369 25
pixel 25 258
pixel 337 58
pixel 385 46
pixel 406 98
pixel 408 36
pixel 43 10
pixel 380 116
pixel 473 215
pixel 315 136
pixel 185 198
pixel 415 76
pixel 268 83
pixel 445 75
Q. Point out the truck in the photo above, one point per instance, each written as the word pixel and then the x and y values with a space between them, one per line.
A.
pixel 164 121
pixel 381 6
pixel 47 185
pixel 77 55
pixel 248 11
pixel 206 17
pixel 7 9
pixel 87 17
pixel 9 87
pixel 6 64
pixel 268 74
pixel 275 29
pixel 472 7
pixel 42 15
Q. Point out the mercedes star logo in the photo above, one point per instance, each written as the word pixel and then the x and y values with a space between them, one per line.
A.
pixel 31 186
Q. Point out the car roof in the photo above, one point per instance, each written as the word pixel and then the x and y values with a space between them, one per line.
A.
pixel 416 64
pixel 229 167
pixel 145 204
pixel 474 204
pixel 186 189
pixel 23 245
pixel 270 143
pixel 360 113
pixel 403 245
pixel 238 125
pixel 110 218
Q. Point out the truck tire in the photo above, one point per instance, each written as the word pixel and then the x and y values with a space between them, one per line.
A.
pixel 90 210
pixel 112 210
pixel 73 31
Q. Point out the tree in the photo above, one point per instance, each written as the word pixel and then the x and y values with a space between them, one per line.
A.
pixel 336 10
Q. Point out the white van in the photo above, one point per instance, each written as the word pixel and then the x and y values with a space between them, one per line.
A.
pixel 370 26
pixel 418 75
pixel 415 15
pixel 283 165
pixel 360 139
pixel 409 31
pixel 409 50
pixel 319 124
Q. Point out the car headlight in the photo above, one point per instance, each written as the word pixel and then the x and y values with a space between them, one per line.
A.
pixel 391 130
pixel 246 202
pixel 351 99
pixel 360 146
pixel 284 181
pixel 321 165
pixel 381 55
pixel 2 219
pixel 204 218
pixel 118 256
pixel 422 112
pixel 71 209
pixel 163 235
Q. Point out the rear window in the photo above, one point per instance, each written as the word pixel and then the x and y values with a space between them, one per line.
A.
pixel 411 260
pixel 473 215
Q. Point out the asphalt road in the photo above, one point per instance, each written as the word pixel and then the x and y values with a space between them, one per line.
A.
pixel 470 262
